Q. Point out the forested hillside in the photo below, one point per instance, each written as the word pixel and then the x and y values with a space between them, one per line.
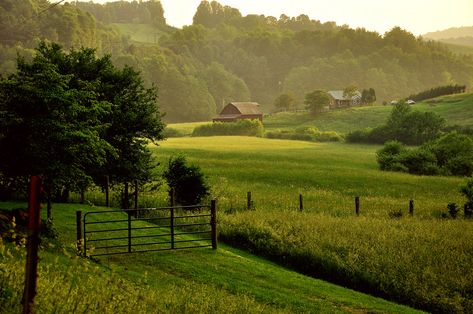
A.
pixel 225 56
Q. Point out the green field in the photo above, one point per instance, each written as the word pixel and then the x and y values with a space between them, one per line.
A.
pixel 186 281
pixel 422 260
pixel 456 109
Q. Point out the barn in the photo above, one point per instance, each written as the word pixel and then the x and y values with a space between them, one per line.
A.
pixel 235 111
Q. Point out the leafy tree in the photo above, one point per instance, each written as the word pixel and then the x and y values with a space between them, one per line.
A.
pixel 187 181
pixel 51 125
pixel 368 96
pixel 349 91
pixel 315 101
pixel 284 102
pixel 73 117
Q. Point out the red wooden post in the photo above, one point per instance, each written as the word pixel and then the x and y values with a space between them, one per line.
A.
pixel 34 220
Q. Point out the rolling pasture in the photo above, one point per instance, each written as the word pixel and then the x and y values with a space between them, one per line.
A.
pixel 455 109
pixel 424 260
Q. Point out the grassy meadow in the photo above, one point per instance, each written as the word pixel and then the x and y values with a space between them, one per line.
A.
pixel 423 261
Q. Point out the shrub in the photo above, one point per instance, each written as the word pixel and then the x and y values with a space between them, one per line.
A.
pixel 359 136
pixel 329 136
pixel 419 161
pixel 467 191
pixel 452 154
pixel 308 130
pixel 404 125
pixel 170 132
pixel 242 127
pixel 388 157
pixel 452 210
pixel 187 181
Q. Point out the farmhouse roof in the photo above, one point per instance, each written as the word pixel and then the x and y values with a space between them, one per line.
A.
pixel 338 94
pixel 247 107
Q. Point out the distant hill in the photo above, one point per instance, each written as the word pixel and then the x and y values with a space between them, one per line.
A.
pixel 454 32
pixel 457 39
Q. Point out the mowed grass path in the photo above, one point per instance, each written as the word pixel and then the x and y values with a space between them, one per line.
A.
pixel 328 175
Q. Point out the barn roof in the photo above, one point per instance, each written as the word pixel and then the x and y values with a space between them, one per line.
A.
pixel 247 107
pixel 338 94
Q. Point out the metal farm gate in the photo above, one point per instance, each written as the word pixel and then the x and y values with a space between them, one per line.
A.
pixel 112 232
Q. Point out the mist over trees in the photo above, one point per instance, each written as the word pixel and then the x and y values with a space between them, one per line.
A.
pixel 225 56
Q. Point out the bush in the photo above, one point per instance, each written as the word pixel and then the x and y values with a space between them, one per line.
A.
pixel 170 132
pixel 419 161
pixel 467 190
pixel 187 181
pixel 388 157
pixel 242 127
pixel 404 125
pixel 329 136
pixel 309 134
pixel 452 154
pixel 359 136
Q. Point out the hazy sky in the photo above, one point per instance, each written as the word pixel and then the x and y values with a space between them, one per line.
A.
pixel 417 16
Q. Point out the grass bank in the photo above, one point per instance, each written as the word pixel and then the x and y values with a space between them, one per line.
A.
pixel 197 281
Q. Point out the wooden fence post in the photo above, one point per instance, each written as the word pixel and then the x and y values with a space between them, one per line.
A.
pixel 79 232
pixel 357 205
pixel 82 196
pixel 213 223
pixel 129 231
pixel 411 207
pixel 301 203
pixel 34 220
pixel 135 214
pixel 126 205
pixel 107 191
pixel 136 194
pixel 172 228
pixel 248 201
pixel 171 197
pixel 467 211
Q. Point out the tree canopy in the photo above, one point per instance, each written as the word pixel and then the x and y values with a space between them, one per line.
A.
pixel 316 101
pixel 227 56
pixel 73 118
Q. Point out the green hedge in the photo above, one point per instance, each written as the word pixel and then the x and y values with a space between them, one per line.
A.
pixel 241 127
pixel 310 134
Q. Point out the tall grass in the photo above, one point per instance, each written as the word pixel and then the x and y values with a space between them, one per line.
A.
pixel 423 263
pixel 67 284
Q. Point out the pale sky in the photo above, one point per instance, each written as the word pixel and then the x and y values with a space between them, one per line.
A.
pixel 416 16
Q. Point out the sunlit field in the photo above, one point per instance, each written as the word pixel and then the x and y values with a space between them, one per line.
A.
pixel 422 260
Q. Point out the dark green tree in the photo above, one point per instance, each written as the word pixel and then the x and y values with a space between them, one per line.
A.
pixel 315 101
pixel 284 102
pixel 187 181
pixel 73 117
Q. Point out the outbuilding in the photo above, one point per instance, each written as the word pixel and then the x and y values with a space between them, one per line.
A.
pixel 235 111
